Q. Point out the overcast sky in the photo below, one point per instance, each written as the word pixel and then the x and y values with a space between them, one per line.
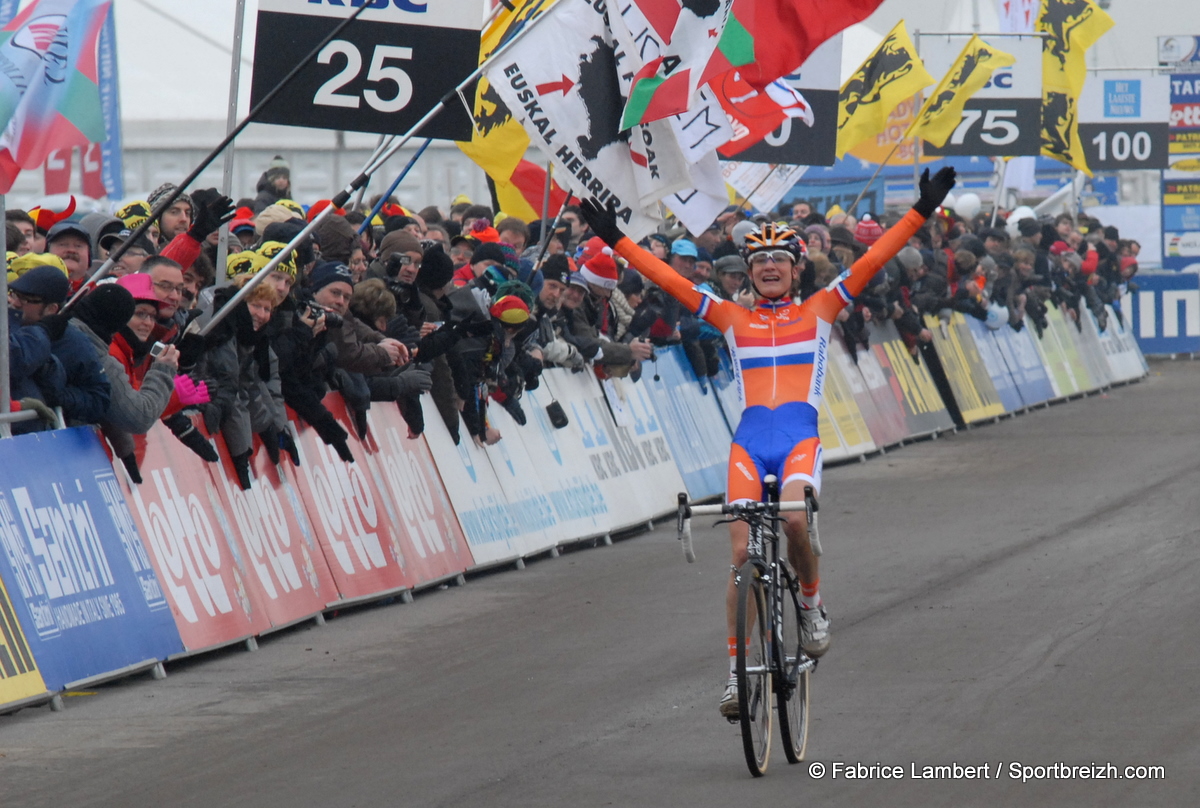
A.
pixel 180 69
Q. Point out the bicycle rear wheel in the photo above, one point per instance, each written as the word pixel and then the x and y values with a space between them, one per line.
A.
pixel 753 670
pixel 791 694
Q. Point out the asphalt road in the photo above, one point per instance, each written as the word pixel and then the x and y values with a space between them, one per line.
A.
pixel 1019 593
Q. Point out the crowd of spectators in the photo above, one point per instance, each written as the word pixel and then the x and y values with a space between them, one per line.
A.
pixel 463 305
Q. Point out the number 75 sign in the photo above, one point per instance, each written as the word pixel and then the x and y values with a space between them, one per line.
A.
pixel 384 72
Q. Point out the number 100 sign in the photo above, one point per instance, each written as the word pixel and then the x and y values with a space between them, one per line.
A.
pixel 382 73
pixel 1123 120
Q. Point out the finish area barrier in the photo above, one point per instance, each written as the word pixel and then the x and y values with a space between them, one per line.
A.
pixel 100 577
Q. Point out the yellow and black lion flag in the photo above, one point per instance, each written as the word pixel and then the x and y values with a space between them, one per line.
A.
pixel 499 142
pixel 942 113
pixel 1072 26
pixel 891 74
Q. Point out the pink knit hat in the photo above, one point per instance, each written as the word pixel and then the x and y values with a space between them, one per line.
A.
pixel 868 230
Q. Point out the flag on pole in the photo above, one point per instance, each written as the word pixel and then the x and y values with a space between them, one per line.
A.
pixel 1017 16
pixel 1072 26
pixel 748 37
pixel 757 114
pixel 522 194
pixel 942 112
pixel 892 73
pixel 499 142
pixel 49 93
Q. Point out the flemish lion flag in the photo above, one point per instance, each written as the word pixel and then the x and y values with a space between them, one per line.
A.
pixel 49 85
pixel 942 113
pixel 891 74
pixel 1073 27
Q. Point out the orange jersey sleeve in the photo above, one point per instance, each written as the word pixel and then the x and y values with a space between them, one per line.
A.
pixel 718 312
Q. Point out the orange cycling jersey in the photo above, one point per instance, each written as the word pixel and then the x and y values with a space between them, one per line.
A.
pixel 780 356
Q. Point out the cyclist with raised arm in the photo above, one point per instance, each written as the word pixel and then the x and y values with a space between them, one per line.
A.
pixel 780 358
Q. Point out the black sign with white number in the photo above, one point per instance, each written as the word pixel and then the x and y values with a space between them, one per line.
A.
pixel 995 127
pixel 797 144
pixel 1115 146
pixel 374 77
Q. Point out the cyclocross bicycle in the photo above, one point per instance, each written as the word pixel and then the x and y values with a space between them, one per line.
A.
pixel 769 657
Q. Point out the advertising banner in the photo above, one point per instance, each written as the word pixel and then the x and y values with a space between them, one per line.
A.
pixel 993 363
pixel 432 542
pixel 1165 313
pixel 1181 179
pixel 1125 361
pixel 360 544
pixel 521 484
pixel 1024 364
pixel 273 542
pixel 841 410
pixel 883 416
pixel 19 675
pixel 1067 334
pixel 692 421
pixel 180 511
pixel 910 382
pixel 81 580
pixel 970 382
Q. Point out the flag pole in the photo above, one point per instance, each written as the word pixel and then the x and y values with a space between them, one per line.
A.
pixel 761 183
pixel 364 177
pixel 1003 172
pixel 546 236
pixel 235 78
pixel 166 203
pixel 392 188
pixel 546 203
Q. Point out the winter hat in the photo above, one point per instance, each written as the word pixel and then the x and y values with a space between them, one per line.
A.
pixel 245 263
pixel 512 261
pixel 685 248
pixel 20 265
pixel 515 288
pixel 47 282
pixel 292 205
pixel 577 279
pixel 1112 234
pixel 437 268
pixel 319 206
pixel 601 270
pixel 1073 258
pixel 269 250
pixel 278 167
pixel 510 310
pixel 163 191
pixel 284 232
pixel 328 272
pixel 482 230
pixel 740 231
pixel 589 250
pixel 631 284
pixel 557 268
pixel 337 237
pixel 868 230
pixel 109 241
pixel 272 214
pixel 106 310
pixel 44 218
pixel 62 228
pixel 730 263
pixel 134 214
pixel 141 287
pixel 910 258
pixel 1060 248
pixel 1128 261
pixel 1028 227
pixel 488 251
pixel 703 255
pixel 398 241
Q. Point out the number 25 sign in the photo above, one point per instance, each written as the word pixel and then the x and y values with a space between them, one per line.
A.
pixel 381 74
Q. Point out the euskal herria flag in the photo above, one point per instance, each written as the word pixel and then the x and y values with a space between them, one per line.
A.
pixel 49 86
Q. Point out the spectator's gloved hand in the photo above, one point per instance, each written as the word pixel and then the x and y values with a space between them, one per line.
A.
pixel 182 428
pixel 213 416
pixel 412 382
pixel 191 350
pixel 933 191
pixel 513 406
pixel 602 220
pixel 212 211
pixel 241 465
pixel 130 461
pixel 40 407
pixel 332 433
pixel 191 393
pixel 289 445
pixel 360 423
pixel 55 325
pixel 270 439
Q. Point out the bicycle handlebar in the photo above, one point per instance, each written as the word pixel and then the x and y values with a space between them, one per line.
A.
pixel 741 511
pixel 749 507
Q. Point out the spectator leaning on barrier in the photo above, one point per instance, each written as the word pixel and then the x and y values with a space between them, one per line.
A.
pixel 374 306
pixel 85 391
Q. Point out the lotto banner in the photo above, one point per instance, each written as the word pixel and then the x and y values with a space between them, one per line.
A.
pixel 81 581
pixel 19 675
pixel 183 514
pixel 867 383
pixel 411 490
pixel 844 415
pixel 973 390
pixel 994 365
pixel 358 537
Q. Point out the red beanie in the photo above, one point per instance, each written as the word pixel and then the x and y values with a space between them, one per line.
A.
pixel 868 230
pixel 601 269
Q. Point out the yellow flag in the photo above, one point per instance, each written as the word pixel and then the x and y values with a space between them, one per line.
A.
pixel 942 113
pixel 499 141
pixel 1072 26
pixel 888 76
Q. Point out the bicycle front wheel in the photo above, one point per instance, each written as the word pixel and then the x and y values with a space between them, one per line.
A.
pixel 753 670
pixel 791 693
